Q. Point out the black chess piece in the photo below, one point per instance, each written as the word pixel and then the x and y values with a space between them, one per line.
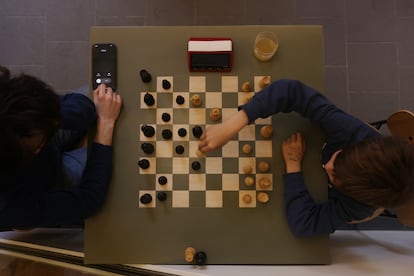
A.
pixel 182 132
pixel 148 130
pixel 166 84
pixel 197 131
pixel 145 76
pixel 145 198
pixel 149 99
pixel 196 165
pixel 180 100
pixel 147 148
pixel 200 258
pixel 144 164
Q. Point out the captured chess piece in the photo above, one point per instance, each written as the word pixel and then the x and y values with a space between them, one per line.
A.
pixel 200 258
pixel 145 76
pixel 189 254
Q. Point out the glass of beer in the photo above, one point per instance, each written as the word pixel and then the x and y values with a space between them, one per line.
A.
pixel 265 45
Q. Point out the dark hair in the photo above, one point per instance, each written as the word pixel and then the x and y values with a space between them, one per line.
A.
pixel 378 172
pixel 27 105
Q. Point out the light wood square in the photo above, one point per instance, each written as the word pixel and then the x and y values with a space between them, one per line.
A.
pixel 243 204
pixel 144 138
pixel 176 137
pixel 213 99
pixel 214 199
pixel 264 121
pixel 244 97
pixel 166 187
pixel 197 84
pixel 151 169
pixel 245 162
pixel 180 165
pixel 159 83
pixel 257 80
pixel 231 149
pixel 193 149
pixel 197 182
pixel 160 111
pixel 143 105
pixel 263 148
pixel 186 103
pixel 180 199
pixel 197 116
pixel 148 205
pixel 230 182
pixel 214 165
pixel 229 84
pixel 164 148
pixel 227 113
pixel 248 133
pixel 264 175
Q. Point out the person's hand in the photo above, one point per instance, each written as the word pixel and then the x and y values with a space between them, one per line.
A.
pixel 108 106
pixel 214 137
pixel 293 149
pixel 218 135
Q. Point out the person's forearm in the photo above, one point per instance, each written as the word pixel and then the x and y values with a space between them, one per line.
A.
pixel 237 122
pixel 104 132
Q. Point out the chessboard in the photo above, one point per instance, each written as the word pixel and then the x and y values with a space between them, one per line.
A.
pixel 165 196
pixel 177 174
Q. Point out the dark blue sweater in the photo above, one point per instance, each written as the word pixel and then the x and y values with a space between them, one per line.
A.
pixel 30 198
pixel 304 216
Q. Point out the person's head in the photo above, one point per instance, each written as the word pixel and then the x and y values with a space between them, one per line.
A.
pixel 378 172
pixel 29 117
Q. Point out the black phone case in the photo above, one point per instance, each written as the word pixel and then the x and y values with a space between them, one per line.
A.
pixel 104 65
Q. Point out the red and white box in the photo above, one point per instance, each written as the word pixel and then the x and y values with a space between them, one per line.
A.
pixel 207 54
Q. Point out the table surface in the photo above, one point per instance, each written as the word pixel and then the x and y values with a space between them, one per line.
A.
pixel 160 235
pixel 380 253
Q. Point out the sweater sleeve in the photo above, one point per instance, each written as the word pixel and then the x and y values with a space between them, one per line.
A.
pixel 304 216
pixel 78 112
pixel 291 95
pixel 65 206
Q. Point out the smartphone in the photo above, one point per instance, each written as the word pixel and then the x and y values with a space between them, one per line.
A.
pixel 104 65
